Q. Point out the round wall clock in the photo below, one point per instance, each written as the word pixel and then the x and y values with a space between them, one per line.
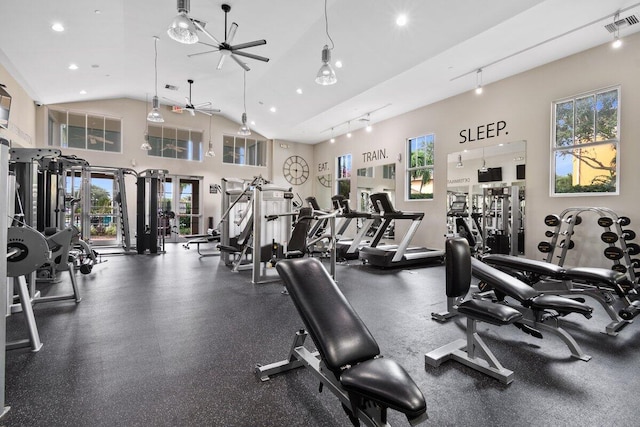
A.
pixel 325 180
pixel 295 170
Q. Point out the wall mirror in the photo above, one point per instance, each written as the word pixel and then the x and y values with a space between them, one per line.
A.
pixel 323 190
pixel 486 197
pixel 375 179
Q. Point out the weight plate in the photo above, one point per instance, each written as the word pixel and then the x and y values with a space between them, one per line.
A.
pixel 624 220
pixel 613 253
pixel 549 233
pixel 635 262
pixel 605 221
pixel 628 234
pixel 609 237
pixel 34 251
pixel 552 220
pixel 619 268
pixel 571 244
pixel 633 248
pixel 544 247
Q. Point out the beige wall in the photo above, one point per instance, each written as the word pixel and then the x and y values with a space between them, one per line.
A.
pixel 22 118
pixel 524 103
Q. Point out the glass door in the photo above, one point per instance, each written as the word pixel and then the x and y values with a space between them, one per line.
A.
pixel 183 197
pixel 103 211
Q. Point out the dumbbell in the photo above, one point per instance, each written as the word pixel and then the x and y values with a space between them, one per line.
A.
pixel 605 221
pixel 628 234
pixel 611 237
pixel 615 253
pixel 546 247
pixel 554 220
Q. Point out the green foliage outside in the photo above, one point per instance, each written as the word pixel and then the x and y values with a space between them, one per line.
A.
pixel 421 156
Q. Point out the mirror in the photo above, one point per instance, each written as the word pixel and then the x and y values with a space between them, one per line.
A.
pixel 375 179
pixel 486 197
pixel 324 190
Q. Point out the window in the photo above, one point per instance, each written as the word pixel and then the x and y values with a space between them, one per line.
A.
pixel 365 172
pixel 389 171
pixel 244 151
pixel 584 153
pixel 173 143
pixel 420 170
pixel 84 131
pixel 343 172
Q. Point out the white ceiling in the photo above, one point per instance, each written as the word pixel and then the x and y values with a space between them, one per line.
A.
pixel 387 69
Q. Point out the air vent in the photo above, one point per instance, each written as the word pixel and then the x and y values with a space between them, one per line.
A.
pixel 171 87
pixel 621 23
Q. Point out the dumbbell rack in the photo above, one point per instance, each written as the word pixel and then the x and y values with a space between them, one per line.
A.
pixel 571 217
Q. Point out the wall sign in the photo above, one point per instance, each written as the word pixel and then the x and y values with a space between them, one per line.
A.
pixel 371 156
pixel 487 131
pixel 323 167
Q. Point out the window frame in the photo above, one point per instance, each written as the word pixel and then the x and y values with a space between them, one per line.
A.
pixel 195 146
pixel 555 148
pixel 247 151
pixel 89 133
pixel 345 176
pixel 409 170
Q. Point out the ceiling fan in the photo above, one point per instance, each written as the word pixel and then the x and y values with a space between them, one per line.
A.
pixel 226 48
pixel 203 108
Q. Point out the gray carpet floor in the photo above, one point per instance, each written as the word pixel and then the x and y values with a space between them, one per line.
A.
pixel 172 340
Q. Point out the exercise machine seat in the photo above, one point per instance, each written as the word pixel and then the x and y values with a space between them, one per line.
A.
pixel 297 246
pixel 386 382
pixel 561 305
pixel 344 343
pixel 530 265
pixel 596 275
pixel 489 312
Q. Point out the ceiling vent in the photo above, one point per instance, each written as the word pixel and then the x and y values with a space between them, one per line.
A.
pixel 170 87
pixel 621 23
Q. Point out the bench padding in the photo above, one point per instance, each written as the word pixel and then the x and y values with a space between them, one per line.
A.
pixel 489 312
pixel 503 282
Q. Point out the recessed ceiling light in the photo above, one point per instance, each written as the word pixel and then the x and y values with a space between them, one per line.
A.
pixel 95 66
pixel 299 91
pixel 401 20
pixel 338 64
pixel 97 11
pixel 83 92
pixel 272 109
pixel 57 27
pixel 73 67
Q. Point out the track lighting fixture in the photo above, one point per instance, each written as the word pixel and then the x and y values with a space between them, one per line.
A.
pixel 479 81
pixel 244 128
pixel 332 140
pixel 459 164
pixel 369 127
pixel 210 152
pixel 348 129
pixel 154 115
pixel 326 75
pixel 617 42
pixel 182 28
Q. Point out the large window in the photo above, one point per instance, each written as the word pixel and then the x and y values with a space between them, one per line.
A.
pixel 244 151
pixel 584 153
pixel 420 167
pixel 343 175
pixel 174 143
pixel 84 131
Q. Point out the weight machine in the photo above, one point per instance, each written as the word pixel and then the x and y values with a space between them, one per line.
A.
pixel 150 193
pixel 502 220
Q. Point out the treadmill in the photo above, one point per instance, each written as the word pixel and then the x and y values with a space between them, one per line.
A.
pixel 401 255
pixel 349 249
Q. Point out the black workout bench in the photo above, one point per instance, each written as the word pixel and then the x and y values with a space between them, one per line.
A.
pixel 347 360
pixel 597 283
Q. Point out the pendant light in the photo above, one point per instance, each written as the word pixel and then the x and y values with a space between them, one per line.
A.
pixel 348 129
pixel 332 140
pixel 484 168
pixel 617 42
pixel 154 115
pixel 182 28
pixel 326 75
pixel 459 164
pixel 479 81
pixel 145 143
pixel 244 128
pixel 210 152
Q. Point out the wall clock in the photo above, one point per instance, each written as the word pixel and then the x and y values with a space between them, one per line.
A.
pixel 325 180
pixel 295 170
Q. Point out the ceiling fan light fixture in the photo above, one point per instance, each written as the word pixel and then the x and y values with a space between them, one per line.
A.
pixel 326 75
pixel 154 115
pixel 244 128
pixel 145 145
pixel 182 29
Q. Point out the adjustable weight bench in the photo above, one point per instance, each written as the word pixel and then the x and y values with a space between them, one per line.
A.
pixel 347 360
pixel 596 283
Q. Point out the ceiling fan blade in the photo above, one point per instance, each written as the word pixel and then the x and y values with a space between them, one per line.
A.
pixel 240 63
pixel 202 53
pixel 252 56
pixel 221 62
pixel 232 33
pixel 201 105
pixel 207 33
pixel 206 113
pixel 248 44
pixel 210 45
pixel 210 110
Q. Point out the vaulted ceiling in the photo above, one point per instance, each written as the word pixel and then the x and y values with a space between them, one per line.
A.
pixel 387 69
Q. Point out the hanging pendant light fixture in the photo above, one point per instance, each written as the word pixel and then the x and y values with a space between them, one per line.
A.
pixel 154 115
pixel 484 168
pixel 459 164
pixel 182 28
pixel 145 143
pixel 210 152
pixel 332 140
pixel 617 42
pixel 244 128
pixel 326 75
pixel 348 129
pixel 479 81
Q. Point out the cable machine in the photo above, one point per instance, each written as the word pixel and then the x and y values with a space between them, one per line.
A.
pixel 150 193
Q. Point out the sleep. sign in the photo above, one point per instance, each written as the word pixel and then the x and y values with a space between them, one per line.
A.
pixel 485 131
